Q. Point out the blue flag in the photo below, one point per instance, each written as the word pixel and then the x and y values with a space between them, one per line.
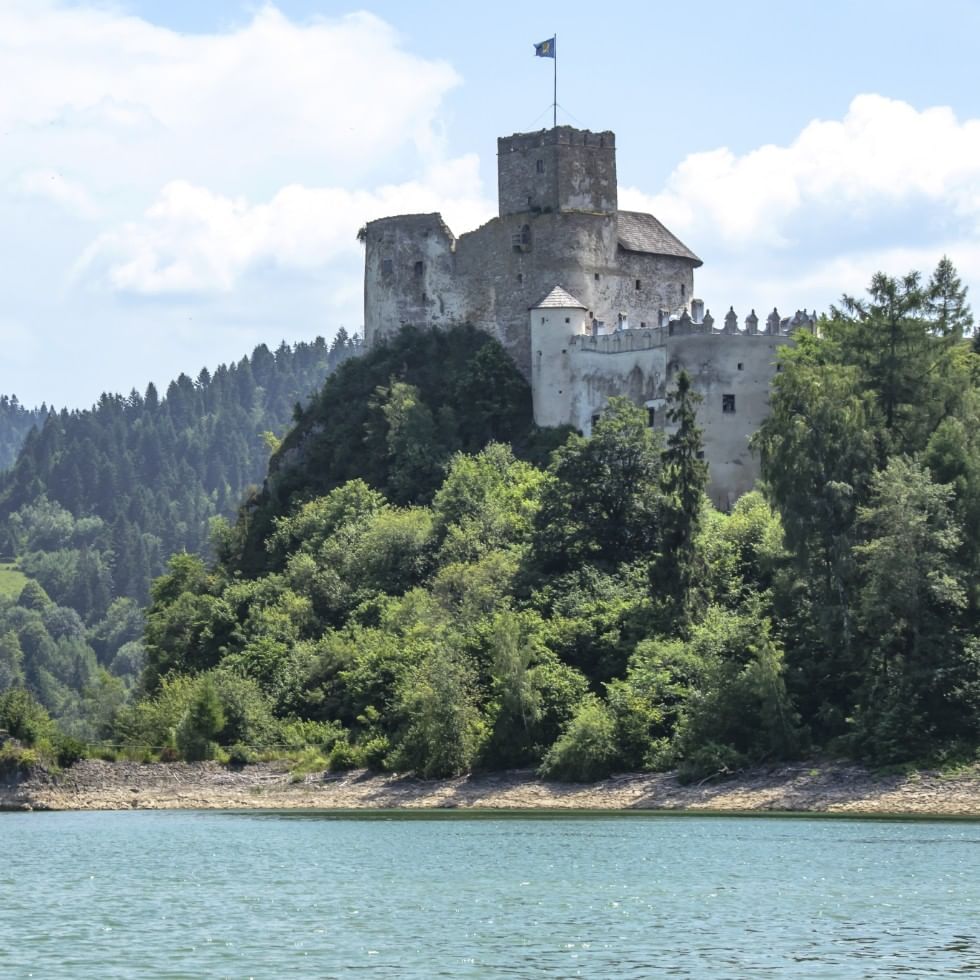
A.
pixel 546 49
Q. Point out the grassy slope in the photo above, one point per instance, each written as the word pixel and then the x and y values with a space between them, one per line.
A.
pixel 12 579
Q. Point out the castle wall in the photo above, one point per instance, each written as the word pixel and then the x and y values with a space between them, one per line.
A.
pixel 722 365
pixel 554 334
pixel 499 279
pixel 560 169
pixel 559 226
pixel 409 275
pixel 630 364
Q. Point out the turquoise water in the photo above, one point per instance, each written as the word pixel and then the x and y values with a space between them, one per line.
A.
pixel 221 894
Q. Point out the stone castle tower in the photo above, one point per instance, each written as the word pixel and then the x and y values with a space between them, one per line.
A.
pixel 590 301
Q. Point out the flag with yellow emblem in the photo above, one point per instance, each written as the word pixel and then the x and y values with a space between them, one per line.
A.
pixel 546 49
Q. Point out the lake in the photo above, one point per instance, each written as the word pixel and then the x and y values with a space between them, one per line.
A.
pixel 301 894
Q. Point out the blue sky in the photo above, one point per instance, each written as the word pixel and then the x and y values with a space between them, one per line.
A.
pixel 180 181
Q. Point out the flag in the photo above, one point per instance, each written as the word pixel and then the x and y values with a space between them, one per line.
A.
pixel 546 49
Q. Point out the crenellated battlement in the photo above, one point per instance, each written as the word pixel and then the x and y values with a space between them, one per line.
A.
pixel 590 301
pixel 557 136
pixel 698 322
pixel 623 339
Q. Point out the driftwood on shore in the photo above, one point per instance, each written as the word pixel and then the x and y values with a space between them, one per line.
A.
pixel 817 788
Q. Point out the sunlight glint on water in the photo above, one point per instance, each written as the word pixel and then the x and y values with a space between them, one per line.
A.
pixel 181 894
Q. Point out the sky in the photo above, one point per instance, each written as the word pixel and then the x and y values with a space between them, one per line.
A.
pixel 182 180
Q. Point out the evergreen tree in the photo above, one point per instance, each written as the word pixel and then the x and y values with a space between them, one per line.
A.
pixel 685 476
pixel 947 303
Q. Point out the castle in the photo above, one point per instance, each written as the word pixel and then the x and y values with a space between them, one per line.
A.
pixel 590 301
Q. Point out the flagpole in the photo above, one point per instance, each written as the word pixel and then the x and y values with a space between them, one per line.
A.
pixel 554 104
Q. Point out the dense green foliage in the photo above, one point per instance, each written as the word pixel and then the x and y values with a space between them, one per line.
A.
pixel 433 601
pixel 98 500
pixel 419 587
pixel 15 422
pixel 80 675
pixel 130 481
pixel 872 459
pixel 393 418
pixel 436 603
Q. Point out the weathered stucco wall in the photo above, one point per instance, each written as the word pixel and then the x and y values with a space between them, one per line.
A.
pixel 723 366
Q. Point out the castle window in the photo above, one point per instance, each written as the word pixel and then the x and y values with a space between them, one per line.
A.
pixel 651 417
pixel 530 201
pixel 568 319
pixel 539 166
pixel 740 365
pixel 520 277
pixel 596 277
pixel 728 404
pixel 638 284
pixel 387 267
pixel 643 324
pixel 526 236
pixel 418 270
pixel 683 290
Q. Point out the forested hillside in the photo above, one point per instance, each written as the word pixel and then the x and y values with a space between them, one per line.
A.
pixel 143 475
pixel 403 598
pixel 15 422
pixel 99 499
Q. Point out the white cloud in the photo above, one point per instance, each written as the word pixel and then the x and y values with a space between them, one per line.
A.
pixel 195 240
pixel 52 186
pixel 129 101
pixel 887 187
pixel 881 153
pixel 210 155
pixel 226 170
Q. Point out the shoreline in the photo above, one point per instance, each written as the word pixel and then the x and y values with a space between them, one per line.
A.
pixel 802 788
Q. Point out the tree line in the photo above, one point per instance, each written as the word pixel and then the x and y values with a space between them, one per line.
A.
pixel 97 500
pixel 445 594
pixel 426 582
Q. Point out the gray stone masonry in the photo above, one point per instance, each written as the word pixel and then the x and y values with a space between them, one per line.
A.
pixel 631 322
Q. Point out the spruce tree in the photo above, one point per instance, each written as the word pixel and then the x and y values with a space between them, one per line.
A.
pixel 685 476
pixel 947 302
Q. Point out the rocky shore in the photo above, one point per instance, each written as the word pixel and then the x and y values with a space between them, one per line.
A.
pixel 813 788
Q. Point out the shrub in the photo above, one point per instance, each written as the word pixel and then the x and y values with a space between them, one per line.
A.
pixel 16 760
pixel 24 718
pixel 69 750
pixel 586 751
pixel 201 724
pixel 374 753
pixel 342 757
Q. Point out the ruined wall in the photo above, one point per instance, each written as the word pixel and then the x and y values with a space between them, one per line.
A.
pixel 409 275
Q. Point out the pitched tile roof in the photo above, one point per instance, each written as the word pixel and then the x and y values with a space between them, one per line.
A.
pixel 559 299
pixel 640 232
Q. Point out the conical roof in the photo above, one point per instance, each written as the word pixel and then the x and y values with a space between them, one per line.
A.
pixel 559 299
